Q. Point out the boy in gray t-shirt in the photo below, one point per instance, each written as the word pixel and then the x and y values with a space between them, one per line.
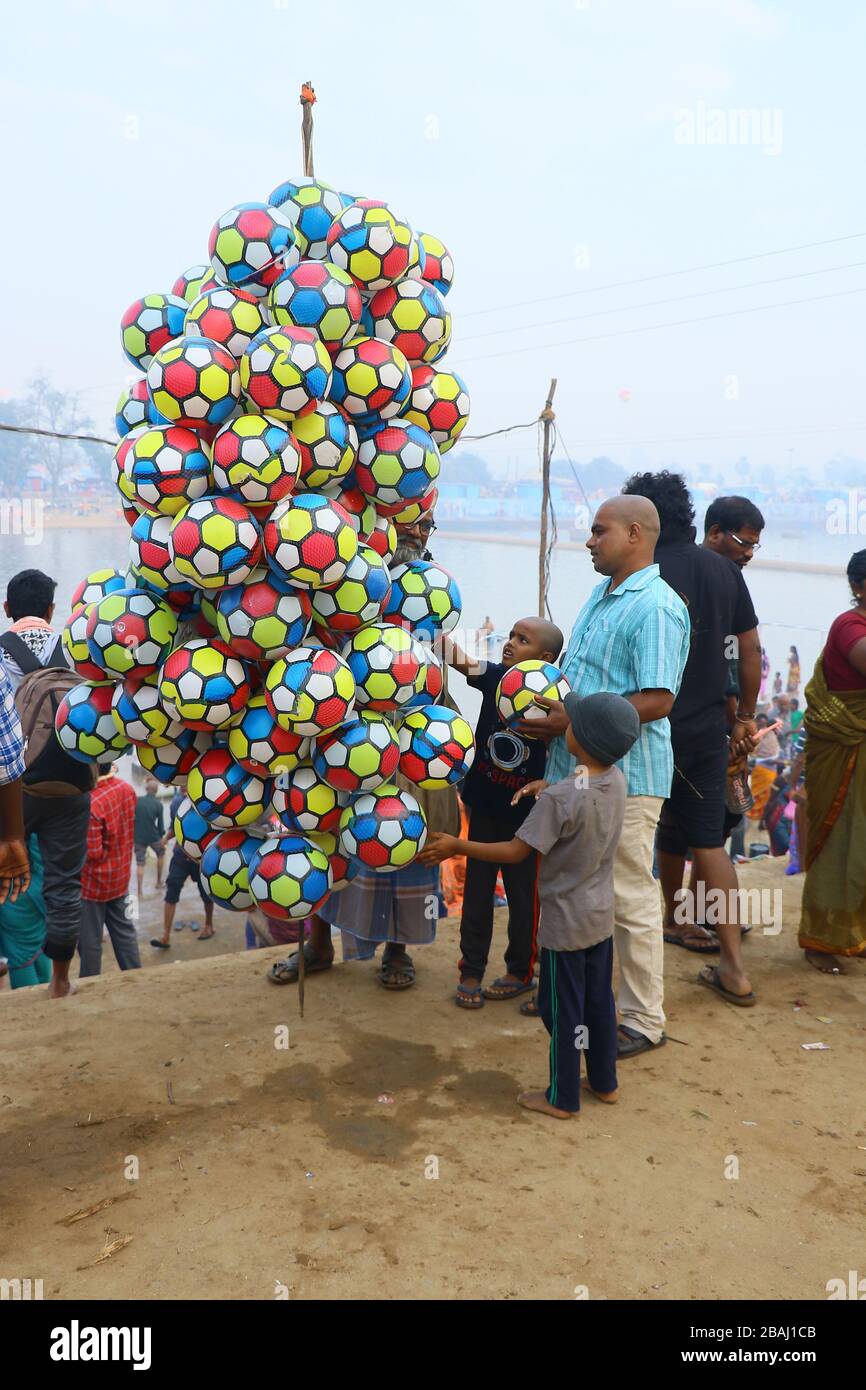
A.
pixel 575 826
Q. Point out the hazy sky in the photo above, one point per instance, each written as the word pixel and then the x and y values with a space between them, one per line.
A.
pixel 556 146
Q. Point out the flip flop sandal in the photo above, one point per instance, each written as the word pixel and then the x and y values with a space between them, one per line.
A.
pixel 505 989
pixel 529 1008
pixel 285 972
pixel 469 997
pixel 711 949
pixel 713 981
pixel 635 1043
pixel 160 945
pixel 397 966
pixel 179 926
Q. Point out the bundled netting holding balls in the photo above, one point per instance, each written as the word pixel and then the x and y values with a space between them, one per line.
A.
pixel 285 423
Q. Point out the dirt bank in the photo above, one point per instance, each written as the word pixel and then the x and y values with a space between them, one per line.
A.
pixel 305 1167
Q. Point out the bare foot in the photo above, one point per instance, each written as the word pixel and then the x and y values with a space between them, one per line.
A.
pixel 537 1100
pixel 606 1097
pixel 59 989
pixel 735 983
pixel 827 964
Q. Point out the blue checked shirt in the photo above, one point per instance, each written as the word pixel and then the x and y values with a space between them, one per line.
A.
pixel 11 737
pixel 636 638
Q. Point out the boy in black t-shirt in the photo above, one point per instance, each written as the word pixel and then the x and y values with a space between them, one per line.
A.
pixel 504 762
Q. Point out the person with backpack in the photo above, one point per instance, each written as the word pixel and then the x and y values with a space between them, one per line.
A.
pixel 56 800
pixel 30 605
pixel 14 865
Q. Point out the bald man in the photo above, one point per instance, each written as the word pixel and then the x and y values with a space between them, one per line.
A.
pixel 631 638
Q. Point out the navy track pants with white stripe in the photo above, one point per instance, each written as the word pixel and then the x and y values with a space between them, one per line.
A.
pixel 575 1000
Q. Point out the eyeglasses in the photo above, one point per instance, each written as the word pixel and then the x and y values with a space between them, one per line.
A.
pixel 423 527
pixel 744 545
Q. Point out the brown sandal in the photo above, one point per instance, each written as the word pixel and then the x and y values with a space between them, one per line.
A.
pixel 285 972
pixel 397 972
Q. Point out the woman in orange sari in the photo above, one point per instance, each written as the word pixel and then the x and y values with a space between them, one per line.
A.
pixel 833 921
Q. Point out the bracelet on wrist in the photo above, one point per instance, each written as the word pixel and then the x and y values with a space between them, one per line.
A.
pixel 745 718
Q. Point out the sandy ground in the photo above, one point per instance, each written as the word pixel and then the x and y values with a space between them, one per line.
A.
pixel 381 1154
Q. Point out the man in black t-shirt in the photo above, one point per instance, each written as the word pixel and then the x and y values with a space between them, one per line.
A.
pixel 733 527
pixel 692 820
pixel 504 762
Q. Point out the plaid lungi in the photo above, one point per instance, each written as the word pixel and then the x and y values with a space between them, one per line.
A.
pixel 403 906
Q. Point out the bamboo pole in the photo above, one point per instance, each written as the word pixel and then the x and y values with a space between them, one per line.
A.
pixel 547 418
pixel 308 98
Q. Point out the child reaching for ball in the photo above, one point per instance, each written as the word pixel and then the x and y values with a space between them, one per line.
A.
pixel 504 763
pixel 575 826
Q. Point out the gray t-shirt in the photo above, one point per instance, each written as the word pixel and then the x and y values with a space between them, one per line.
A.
pixel 576 825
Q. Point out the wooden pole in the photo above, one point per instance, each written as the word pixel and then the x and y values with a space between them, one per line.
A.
pixel 547 418
pixel 308 98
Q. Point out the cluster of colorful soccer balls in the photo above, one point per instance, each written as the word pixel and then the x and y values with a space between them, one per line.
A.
pixel 262 649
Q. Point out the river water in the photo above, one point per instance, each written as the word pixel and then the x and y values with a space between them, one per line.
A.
pixel 500 581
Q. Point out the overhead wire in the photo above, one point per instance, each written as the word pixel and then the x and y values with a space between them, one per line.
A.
pixel 674 323
pixel 507 430
pixel 58 434
pixel 663 275
pixel 559 440
pixel 656 303
pixel 793 430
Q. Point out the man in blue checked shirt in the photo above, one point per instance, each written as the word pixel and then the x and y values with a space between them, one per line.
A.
pixel 14 866
pixel 631 638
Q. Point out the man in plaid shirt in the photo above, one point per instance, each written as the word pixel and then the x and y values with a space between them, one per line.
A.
pixel 14 866
pixel 105 876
